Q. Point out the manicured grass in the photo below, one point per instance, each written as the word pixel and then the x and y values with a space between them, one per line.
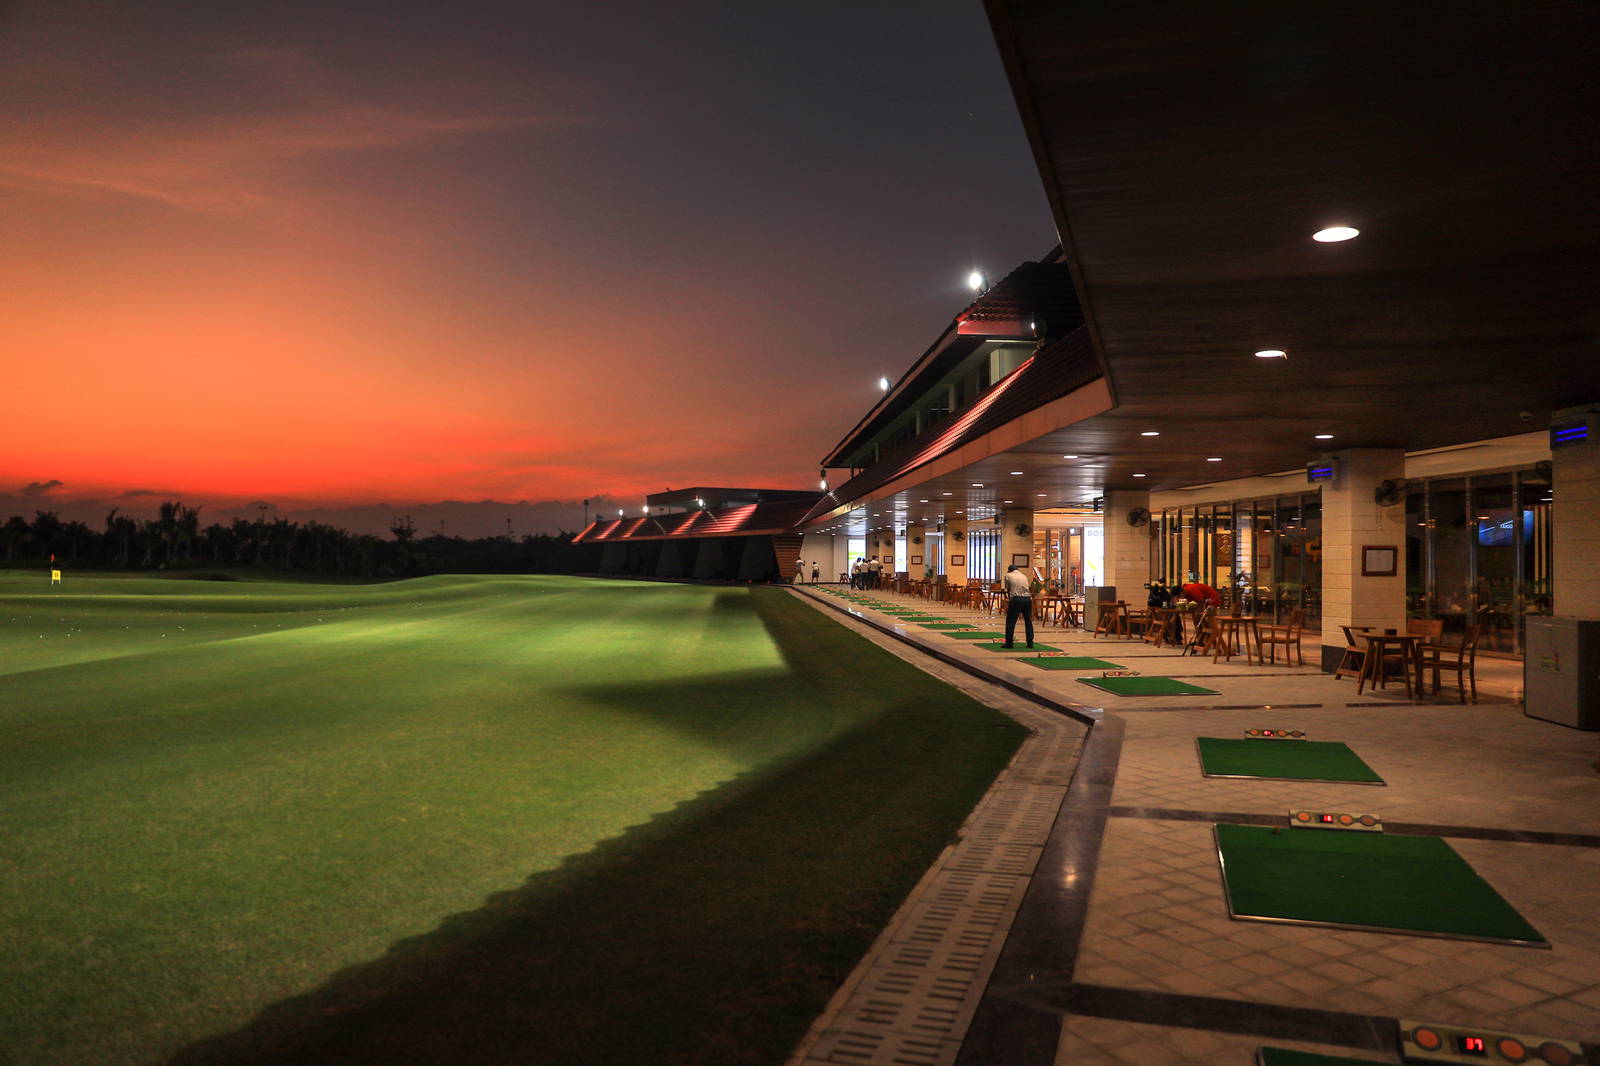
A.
pixel 1367 880
pixel 445 820
pixel 1293 760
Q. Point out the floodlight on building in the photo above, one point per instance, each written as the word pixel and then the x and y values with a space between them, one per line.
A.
pixel 1333 234
pixel 883 383
pixel 619 512
pixel 1272 353
pixel 823 484
pixel 975 281
pixel 698 502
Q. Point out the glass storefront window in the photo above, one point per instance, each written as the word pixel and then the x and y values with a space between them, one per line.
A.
pixel 1534 500
pixel 1494 525
pixel 1311 567
pixel 1416 549
pixel 1452 553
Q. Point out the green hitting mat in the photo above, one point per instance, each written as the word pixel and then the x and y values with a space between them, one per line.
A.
pixel 1018 649
pixel 1372 881
pixel 1147 686
pixel 976 634
pixel 1072 662
pixel 1293 760
pixel 943 623
pixel 1277 1056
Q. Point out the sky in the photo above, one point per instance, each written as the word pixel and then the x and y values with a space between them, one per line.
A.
pixel 354 258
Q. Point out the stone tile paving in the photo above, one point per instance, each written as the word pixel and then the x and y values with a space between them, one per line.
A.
pixel 1157 920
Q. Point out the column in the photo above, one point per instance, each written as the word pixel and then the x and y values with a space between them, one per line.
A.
pixel 1575 530
pixel 917 557
pixel 1353 520
pixel 955 575
pixel 1127 546
pixel 1014 545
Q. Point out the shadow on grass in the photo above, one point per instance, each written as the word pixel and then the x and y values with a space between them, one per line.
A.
pixel 711 934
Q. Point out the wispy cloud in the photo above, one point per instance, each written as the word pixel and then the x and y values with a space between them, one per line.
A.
pixel 239 161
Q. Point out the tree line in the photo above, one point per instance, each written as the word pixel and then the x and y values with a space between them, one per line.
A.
pixel 175 539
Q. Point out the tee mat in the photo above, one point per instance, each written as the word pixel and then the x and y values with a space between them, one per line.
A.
pixel 1427 1042
pixel 1017 649
pixel 1278 1056
pixel 1372 882
pixel 1063 661
pixel 1309 760
pixel 1146 686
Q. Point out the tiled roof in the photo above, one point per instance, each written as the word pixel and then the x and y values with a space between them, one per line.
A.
pixel 1050 374
pixel 751 519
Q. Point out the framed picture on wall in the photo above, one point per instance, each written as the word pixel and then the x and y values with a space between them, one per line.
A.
pixel 1019 560
pixel 916 560
pixel 958 560
pixel 1379 560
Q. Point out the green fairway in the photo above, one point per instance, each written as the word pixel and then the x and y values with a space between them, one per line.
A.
pixel 1296 760
pixel 1363 880
pixel 451 819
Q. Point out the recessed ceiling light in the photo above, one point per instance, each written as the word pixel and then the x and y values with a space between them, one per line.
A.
pixel 1272 353
pixel 1016 473
pixel 1151 433
pixel 949 494
pixel 1069 457
pixel 1009 501
pixel 976 485
pixel 1140 475
pixel 1042 494
pixel 1335 233
pixel 1324 436
pixel 1215 459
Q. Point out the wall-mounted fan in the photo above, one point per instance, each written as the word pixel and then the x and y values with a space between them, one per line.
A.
pixel 1390 492
pixel 1023 529
pixel 958 535
pixel 1139 516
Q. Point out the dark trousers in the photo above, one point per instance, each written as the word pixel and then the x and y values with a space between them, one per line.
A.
pixel 1019 606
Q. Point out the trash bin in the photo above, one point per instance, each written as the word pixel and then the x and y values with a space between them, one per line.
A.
pixel 1561 671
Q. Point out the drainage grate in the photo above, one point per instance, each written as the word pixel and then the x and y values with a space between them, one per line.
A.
pixel 912 997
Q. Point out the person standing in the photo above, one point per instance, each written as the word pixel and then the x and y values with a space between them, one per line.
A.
pixel 800 572
pixel 1019 602
pixel 816 572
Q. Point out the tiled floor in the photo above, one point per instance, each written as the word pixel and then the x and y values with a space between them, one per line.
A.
pixel 1156 938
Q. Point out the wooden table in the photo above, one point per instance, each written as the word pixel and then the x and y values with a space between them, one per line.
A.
pixel 1166 624
pixel 1228 629
pixel 1373 667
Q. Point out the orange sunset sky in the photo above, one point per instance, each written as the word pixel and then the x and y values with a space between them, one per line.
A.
pixel 332 255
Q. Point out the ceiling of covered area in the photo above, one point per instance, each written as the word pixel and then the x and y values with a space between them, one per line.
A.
pixel 1190 151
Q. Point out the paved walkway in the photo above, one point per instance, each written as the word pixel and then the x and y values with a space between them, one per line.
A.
pixel 1122 949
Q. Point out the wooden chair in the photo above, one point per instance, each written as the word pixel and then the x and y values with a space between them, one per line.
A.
pixel 1426 628
pixel 1269 636
pixel 1111 621
pixel 1355 654
pixel 1458 658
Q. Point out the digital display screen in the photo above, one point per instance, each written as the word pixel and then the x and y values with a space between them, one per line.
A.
pixel 1471 1045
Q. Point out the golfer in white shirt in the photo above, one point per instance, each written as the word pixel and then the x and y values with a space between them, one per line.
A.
pixel 1019 602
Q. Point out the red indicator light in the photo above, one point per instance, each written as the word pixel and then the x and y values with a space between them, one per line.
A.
pixel 1327 818
pixel 1426 1039
pixel 1471 1045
